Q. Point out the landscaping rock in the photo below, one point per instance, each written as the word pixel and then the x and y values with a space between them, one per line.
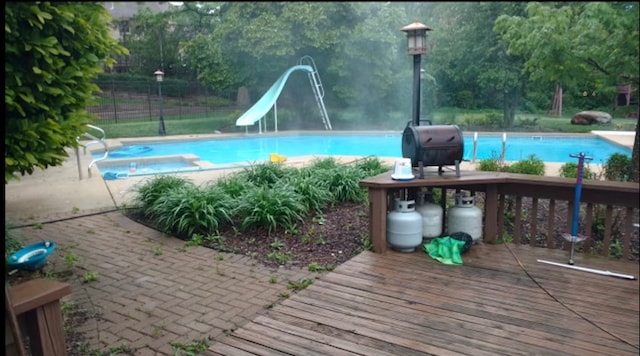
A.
pixel 591 117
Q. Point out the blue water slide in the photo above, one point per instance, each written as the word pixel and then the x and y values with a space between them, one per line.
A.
pixel 266 102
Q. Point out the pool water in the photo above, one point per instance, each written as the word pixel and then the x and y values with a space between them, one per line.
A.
pixel 258 148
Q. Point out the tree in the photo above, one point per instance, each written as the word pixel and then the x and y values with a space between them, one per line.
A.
pixel 53 51
pixel 572 43
pixel 470 62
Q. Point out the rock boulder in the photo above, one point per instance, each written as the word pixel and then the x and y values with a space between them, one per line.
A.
pixel 591 117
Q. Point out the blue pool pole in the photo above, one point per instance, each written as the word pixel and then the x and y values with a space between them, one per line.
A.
pixel 576 202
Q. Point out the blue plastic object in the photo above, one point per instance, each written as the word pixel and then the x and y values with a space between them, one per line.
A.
pixel 31 257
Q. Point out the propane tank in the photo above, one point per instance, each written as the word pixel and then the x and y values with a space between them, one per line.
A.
pixel 404 226
pixel 465 217
pixel 431 216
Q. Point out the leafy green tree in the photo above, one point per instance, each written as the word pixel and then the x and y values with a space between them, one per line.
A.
pixel 53 51
pixel 469 61
pixel 355 45
pixel 574 42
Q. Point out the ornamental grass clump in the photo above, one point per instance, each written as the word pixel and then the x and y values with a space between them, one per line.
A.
pixel 267 174
pixel 148 191
pixel 371 166
pixel 313 192
pixel 189 210
pixel 279 206
pixel 266 195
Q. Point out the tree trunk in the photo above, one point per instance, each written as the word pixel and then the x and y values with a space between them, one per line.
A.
pixel 510 103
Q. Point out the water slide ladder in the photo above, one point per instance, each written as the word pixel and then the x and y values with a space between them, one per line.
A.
pixel 94 141
pixel 318 89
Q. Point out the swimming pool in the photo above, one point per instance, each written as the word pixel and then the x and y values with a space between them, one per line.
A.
pixel 243 149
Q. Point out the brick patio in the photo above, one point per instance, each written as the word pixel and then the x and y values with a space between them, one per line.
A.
pixel 151 290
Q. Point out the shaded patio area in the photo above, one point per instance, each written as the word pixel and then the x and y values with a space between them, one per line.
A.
pixel 501 301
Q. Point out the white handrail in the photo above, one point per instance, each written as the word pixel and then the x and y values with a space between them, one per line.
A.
pixel 95 140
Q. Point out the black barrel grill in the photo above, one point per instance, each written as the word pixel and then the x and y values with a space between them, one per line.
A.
pixel 433 145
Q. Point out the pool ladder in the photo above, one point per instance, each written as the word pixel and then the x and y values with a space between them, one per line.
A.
pixel 502 154
pixel 318 89
pixel 94 141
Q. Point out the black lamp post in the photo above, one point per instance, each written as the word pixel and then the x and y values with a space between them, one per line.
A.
pixel 159 75
pixel 416 47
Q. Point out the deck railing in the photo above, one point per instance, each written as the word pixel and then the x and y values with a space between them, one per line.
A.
pixel 537 210
pixel 529 209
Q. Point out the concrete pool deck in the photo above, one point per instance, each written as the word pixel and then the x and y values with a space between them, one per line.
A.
pixel 143 298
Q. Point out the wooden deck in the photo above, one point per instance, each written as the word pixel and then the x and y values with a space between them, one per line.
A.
pixel 501 301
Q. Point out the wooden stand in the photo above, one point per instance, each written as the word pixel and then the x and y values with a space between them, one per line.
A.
pixel 36 303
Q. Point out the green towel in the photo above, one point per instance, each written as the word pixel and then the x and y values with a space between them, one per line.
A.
pixel 445 250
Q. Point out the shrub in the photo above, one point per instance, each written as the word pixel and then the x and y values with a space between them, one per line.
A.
pixel 532 165
pixel 370 166
pixel 267 173
pixel 313 192
pixel 190 209
pixel 271 207
pixel 492 165
pixel 570 170
pixel 618 167
pixel 344 184
pixel 150 190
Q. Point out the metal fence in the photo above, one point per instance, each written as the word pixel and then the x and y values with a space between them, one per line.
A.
pixel 124 101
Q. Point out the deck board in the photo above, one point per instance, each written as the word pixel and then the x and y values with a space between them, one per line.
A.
pixel 501 301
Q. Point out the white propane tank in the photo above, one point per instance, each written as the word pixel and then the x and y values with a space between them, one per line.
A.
pixel 465 217
pixel 431 216
pixel 404 226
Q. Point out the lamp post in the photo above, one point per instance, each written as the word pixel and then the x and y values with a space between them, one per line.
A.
pixel 416 47
pixel 159 75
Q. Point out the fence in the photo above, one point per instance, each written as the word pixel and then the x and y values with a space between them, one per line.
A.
pixel 124 101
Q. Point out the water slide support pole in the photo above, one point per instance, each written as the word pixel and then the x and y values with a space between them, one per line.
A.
pixel 275 115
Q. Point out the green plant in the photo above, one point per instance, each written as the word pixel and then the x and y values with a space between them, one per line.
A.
pixel 570 170
pixel 276 244
pixel 148 191
pixel 492 165
pixel 532 165
pixel 312 191
pixel 618 167
pixel 315 267
pixel 45 101
pixel 191 349
pixel 615 249
pixel 267 174
pixel 190 209
pixel 300 284
pixel 278 206
pixel 280 257
pixel 367 245
pixel 90 276
pixel 273 279
pixel 196 240
pixel 157 251
pixel 371 166
pixel 70 259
